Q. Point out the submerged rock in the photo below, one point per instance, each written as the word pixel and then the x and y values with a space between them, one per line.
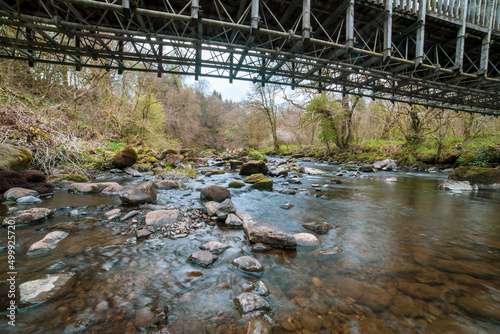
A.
pixel 141 193
pixel 30 216
pixel 249 302
pixel 248 263
pixel 163 217
pixel 318 227
pixel 368 294
pixel 259 232
pixel 214 247
pixel 48 242
pixel 215 193
pixel 42 289
pixel 80 224
pixel 28 200
pixel 203 258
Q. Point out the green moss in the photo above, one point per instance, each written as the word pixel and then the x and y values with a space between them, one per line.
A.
pixel 76 178
pixel 254 178
pixel 236 184
pixel 266 184
pixel 476 175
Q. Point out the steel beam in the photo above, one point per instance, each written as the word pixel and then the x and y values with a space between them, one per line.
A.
pixel 388 30
pixel 419 52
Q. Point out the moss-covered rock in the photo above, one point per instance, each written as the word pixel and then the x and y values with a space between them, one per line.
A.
pixel 476 175
pixel 266 184
pixel 14 158
pixel 254 178
pixel 148 160
pixel 254 167
pixel 236 184
pixel 167 152
pixel 75 178
pixel 124 157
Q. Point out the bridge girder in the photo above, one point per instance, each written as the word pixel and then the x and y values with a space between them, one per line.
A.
pixel 382 49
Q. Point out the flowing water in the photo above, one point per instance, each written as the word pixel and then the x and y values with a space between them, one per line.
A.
pixel 404 257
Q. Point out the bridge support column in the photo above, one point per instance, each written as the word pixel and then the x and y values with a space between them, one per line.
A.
pixel 419 52
pixel 30 37
pixel 255 16
pixel 459 54
pixel 195 17
pixel 485 47
pixel 388 30
pixel 78 68
pixel 120 56
pixel 306 19
pixel 160 57
pixel 349 26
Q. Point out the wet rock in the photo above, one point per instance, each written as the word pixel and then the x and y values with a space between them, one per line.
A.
pixel 163 217
pixel 212 171
pixel 311 171
pixel 80 224
pixel 225 208
pixel 132 172
pixel 14 158
pixel 264 233
pixel 129 215
pixel 260 325
pixel 112 214
pixel 261 289
pixel 419 290
pixel 391 179
pixel 144 318
pixel 166 152
pixel 28 200
pixel 236 184
pixel 476 269
pixel 253 167
pixel 266 184
pixel 374 326
pixel 43 289
pixel 48 242
pixel 288 191
pixel 167 185
pixel 366 168
pixel 260 248
pixel 15 193
pixel 254 178
pixel 365 293
pixel 441 326
pixel 203 258
pixel 112 190
pixel 235 164
pixel 214 247
pixel 142 234
pixel 173 160
pixel 310 322
pixel 306 240
pixel 351 167
pixel 387 164
pixel 336 181
pixel 30 216
pixel 484 178
pixel 334 250
pixel 405 305
pixel 456 185
pixel 141 193
pixel 124 157
pixel 295 180
pixel 90 188
pixel 287 206
pixel 318 227
pixel 249 302
pixel 215 193
pixel 233 221
pixel 211 208
pixel 484 306
pixel 248 263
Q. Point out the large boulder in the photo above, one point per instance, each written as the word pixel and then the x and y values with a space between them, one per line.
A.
pixel 174 160
pixel 484 178
pixel 259 232
pixel 167 152
pixel 14 158
pixel 387 164
pixel 254 167
pixel 124 157
pixel 28 179
pixel 456 185
pixel 224 209
pixel 14 193
pixel 30 216
pixel 215 193
pixel 140 193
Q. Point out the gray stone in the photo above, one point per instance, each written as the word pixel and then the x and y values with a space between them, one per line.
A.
pixel 30 216
pixel 129 215
pixel 112 190
pixel 248 263
pixel 267 234
pixel 214 247
pixel 163 217
pixel 112 214
pixel 15 193
pixel 387 164
pixel 261 289
pixel 225 208
pixel 391 179
pixel 456 185
pixel 233 221
pixel 306 239
pixel 90 188
pixel 211 208
pixel 203 258
pixel 48 242
pixel 249 302
pixel 142 234
pixel 42 289
pixel 366 168
pixel 295 180
pixel 287 206
pixel 312 171
pixel 132 172
pixel 141 193
pixel 28 200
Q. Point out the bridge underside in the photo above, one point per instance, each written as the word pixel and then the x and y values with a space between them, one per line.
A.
pixel 440 54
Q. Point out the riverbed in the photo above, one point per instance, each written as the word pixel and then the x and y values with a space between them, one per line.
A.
pixel 404 257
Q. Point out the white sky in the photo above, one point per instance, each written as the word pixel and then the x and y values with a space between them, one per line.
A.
pixel 236 91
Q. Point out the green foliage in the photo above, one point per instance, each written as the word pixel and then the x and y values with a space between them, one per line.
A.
pixel 255 155
pixel 321 110
pixel 114 146
pixel 188 172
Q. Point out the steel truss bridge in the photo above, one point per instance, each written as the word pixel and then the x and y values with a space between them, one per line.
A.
pixel 437 53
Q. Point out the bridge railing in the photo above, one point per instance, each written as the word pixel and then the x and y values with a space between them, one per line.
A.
pixel 478 11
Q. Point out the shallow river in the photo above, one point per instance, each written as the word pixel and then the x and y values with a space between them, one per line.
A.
pixel 404 257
